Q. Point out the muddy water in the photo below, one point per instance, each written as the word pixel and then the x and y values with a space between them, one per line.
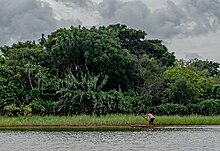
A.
pixel 164 139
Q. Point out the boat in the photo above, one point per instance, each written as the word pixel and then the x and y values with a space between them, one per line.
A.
pixel 141 125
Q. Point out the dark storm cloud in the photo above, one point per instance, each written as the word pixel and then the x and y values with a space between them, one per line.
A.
pixel 188 18
pixel 24 20
pixel 107 9
pixel 28 19
pixel 80 3
pixel 166 23
pixel 205 15
pixel 161 23
pixel 132 13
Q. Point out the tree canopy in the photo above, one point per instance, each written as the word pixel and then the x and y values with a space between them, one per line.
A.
pixel 101 70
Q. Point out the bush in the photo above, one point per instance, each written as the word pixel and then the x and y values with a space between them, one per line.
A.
pixel 40 107
pixel 216 91
pixel 193 108
pixel 171 109
pixel 14 110
pixel 210 107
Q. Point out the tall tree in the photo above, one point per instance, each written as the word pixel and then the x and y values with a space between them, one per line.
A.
pixel 187 85
pixel 94 51
pixel 137 43
pixel 211 68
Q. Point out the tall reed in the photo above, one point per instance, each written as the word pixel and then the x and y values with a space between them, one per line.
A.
pixel 110 119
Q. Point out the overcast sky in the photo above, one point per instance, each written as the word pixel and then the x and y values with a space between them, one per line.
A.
pixel 190 28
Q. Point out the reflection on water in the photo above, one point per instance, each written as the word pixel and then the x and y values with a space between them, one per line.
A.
pixel 166 139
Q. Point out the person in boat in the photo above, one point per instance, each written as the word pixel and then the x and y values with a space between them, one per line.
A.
pixel 151 121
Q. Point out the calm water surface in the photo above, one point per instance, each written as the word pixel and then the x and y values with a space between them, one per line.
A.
pixel 166 139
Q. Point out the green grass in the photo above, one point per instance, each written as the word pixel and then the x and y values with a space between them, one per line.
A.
pixel 188 120
pixel 80 119
pixel 111 119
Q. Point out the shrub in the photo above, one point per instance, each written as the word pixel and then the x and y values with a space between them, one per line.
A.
pixel 14 110
pixel 210 107
pixel 193 108
pixel 171 109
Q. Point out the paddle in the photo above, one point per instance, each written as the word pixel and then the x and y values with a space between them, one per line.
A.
pixel 134 125
pixel 145 118
pixel 129 124
pixel 141 115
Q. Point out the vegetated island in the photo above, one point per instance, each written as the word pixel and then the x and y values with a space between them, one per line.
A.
pixel 107 122
pixel 113 73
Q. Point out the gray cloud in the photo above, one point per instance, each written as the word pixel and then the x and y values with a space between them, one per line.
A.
pixel 24 20
pixel 132 13
pixel 107 10
pixel 79 3
pixel 188 18
pixel 190 56
pixel 27 19
pixel 166 22
pixel 203 15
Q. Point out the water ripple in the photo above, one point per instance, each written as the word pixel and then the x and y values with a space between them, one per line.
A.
pixel 177 139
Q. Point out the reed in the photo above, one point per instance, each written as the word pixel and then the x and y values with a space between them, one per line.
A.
pixel 111 119
pixel 188 120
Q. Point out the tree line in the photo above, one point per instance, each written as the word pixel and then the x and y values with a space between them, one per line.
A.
pixel 103 70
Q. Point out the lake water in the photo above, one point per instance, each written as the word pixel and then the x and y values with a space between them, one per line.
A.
pixel 164 139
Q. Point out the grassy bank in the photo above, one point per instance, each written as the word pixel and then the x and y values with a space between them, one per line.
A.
pixel 188 120
pixel 108 120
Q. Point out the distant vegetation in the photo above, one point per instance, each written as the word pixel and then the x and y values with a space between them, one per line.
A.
pixel 102 71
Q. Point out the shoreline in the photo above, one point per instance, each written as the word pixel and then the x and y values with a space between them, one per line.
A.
pixel 112 121
pixel 103 125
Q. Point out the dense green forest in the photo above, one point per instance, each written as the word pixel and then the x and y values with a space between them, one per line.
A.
pixel 104 70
